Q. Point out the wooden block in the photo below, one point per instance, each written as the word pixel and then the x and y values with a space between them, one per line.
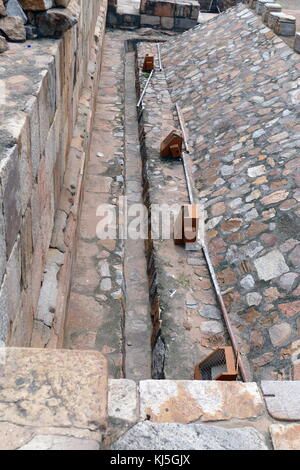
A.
pixel 148 63
pixel 172 145
pixel 187 225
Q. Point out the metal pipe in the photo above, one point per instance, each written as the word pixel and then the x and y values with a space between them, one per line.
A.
pixel 159 57
pixel 183 128
pixel 224 312
pixel 145 88
pixel 187 178
pixel 209 263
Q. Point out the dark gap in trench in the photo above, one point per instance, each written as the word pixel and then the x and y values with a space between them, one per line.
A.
pixel 157 341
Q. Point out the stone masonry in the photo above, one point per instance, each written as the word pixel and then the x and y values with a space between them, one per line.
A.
pixel 41 88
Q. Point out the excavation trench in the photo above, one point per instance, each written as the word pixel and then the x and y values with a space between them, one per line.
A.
pixel 148 305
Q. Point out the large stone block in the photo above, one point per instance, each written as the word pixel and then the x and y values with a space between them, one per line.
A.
pixel 171 436
pixel 11 190
pixel 150 20
pixel 25 165
pixel 46 200
pixel 2 242
pixel 4 312
pixel 297 43
pixel 37 5
pixel 182 24
pixel 34 135
pixel 285 436
pixel 123 400
pixel 282 399
pixel 52 399
pixel 21 329
pixel 53 389
pixel 26 248
pixel 10 294
pixel 164 8
pixel 52 442
pixel 13 28
pixel 183 10
pixel 161 401
pixel 167 23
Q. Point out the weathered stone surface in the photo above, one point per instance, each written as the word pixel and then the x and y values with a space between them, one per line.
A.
pixel 37 5
pixel 13 28
pixel 271 265
pixel 2 9
pixel 40 387
pixel 123 400
pixel 171 436
pixel 54 22
pixel 212 327
pixel 290 309
pixel 3 45
pixel 161 401
pixel 13 437
pixel 13 8
pixel 280 333
pixel 285 436
pixel 297 43
pixel 282 399
pixel 44 442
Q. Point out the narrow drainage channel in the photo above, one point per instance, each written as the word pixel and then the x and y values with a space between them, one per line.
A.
pixel 137 329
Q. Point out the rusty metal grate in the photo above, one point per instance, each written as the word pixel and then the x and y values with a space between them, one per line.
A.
pixel 213 366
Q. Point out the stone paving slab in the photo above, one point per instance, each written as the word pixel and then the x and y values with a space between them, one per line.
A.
pixel 51 392
pixel 282 399
pixel 191 401
pixel 154 436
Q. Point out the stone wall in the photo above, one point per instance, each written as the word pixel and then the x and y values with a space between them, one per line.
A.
pixel 207 5
pixel 170 15
pixel 41 88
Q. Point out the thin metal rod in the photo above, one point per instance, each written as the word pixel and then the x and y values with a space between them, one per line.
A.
pixel 224 312
pixel 145 88
pixel 209 263
pixel 183 128
pixel 187 179
pixel 159 57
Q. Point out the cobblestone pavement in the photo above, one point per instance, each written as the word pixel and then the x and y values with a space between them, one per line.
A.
pixel 191 324
pixel 239 88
